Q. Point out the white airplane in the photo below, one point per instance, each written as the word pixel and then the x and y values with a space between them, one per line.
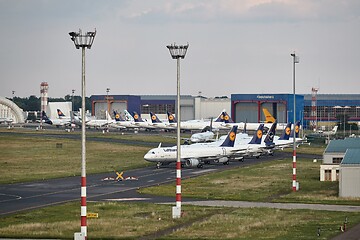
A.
pixel 6 120
pixel 194 124
pixel 326 133
pixel 194 155
pixel 98 123
pixel 157 123
pixel 207 135
pixel 227 123
pixel 58 122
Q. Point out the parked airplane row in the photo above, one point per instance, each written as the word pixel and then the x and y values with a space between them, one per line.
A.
pixel 222 122
pixel 235 146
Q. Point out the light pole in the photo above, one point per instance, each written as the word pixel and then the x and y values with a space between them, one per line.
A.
pixel 177 52
pixel 72 109
pixel 295 60
pixel 107 107
pixel 83 41
pixel 345 107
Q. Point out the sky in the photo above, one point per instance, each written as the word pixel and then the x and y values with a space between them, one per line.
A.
pixel 235 46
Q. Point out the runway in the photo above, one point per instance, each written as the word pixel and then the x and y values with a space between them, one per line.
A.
pixel 24 196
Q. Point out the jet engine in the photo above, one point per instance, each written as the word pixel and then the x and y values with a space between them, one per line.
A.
pixel 193 162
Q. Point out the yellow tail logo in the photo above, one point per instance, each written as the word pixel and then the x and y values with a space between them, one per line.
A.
pixel 268 117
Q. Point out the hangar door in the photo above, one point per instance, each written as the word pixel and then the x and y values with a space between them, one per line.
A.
pixel 118 107
pixel 187 113
pixel 246 111
pixel 100 108
pixel 277 109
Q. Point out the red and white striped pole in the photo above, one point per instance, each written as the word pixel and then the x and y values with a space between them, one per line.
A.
pixel 294 183
pixel 178 52
pixel 83 152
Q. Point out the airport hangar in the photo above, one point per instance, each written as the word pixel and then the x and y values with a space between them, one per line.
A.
pixel 242 107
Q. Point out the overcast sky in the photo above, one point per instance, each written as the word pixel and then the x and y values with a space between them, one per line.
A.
pixel 236 46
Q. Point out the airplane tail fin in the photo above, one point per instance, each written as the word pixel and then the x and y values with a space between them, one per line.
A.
pixel 137 117
pixel 334 130
pixel 230 139
pixel 117 116
pixel 60 113
pixel 171 118
pixel 268 117
pixel 269 139
pixel 296 129
pixel 128 116
pixel 258 135
pixel 286 133
pixel 220 117
pixel 227 118
pixel 154 118
pixel 45 118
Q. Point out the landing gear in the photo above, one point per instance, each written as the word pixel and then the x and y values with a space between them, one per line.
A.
pixel 200 165
pixel 158 164
pixel 226 163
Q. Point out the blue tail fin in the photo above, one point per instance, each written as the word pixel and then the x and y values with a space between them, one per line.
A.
pixel 154 118
pixel 46 119
pixel 220 117
pixel 171 118
pixel 269 139
pixel 258 135
pixel 137 117
pixel 297 128
pixel 227 118
pixel 286 133
pixel 117 117
pixel 230 139
pixel 60 113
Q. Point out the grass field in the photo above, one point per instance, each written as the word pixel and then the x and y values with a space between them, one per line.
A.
pixel 136 220
pixel 27 158
pixel 268 182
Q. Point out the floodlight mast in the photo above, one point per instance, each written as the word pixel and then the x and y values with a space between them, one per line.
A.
pixel 294 183
pixel 83 41
pixel 177 52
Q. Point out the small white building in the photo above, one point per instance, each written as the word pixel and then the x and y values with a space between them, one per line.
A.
pixel 350 174
pixel 333 155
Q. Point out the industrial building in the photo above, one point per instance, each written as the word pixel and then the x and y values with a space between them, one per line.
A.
pixel 350 174
pixel 314 110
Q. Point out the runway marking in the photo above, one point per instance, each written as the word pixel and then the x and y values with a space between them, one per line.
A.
pixel 151 180
pixel 127 199
pixel 204 171
pixel 17 197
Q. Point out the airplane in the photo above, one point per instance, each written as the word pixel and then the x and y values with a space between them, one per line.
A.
pixel 327 133
pixel 268 117
pixel 194 156
pixel 194 124
pixel 56 121
pixel 206 135
pixel 157 123
pixel 119 122
pixel 6 120
pixel 140 123
pixel 228 122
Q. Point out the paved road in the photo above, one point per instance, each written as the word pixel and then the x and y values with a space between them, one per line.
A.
pixel 24 196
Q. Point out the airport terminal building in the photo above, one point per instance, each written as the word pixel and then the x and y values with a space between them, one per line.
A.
pixel 241 107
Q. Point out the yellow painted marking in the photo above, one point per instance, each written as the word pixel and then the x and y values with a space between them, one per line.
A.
pixel 92 215
pixel 119 175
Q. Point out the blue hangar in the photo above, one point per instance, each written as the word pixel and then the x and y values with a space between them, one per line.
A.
pixel 248 107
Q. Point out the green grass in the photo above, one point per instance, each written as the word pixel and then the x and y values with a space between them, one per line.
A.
pixel 267 182
pixel 133 221
pixel 25 158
